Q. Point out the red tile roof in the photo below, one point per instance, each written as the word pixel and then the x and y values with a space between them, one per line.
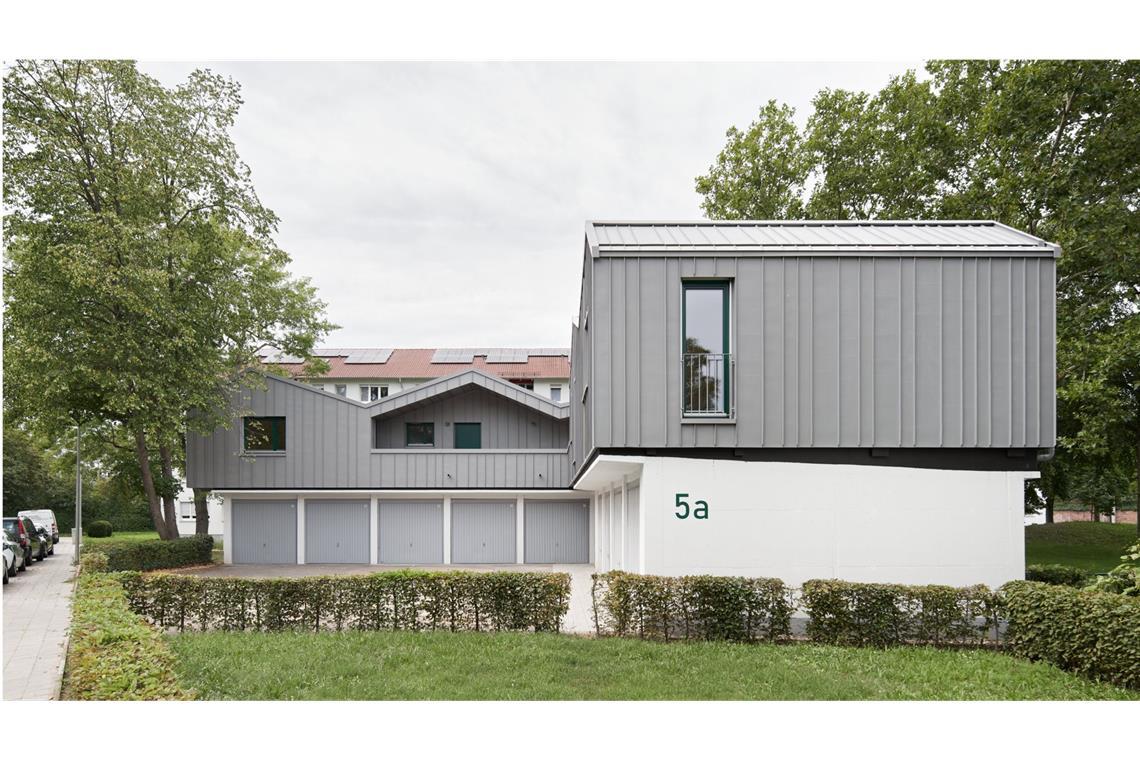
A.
pixel 417 363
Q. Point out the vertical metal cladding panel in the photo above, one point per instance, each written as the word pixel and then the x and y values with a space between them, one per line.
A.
pixel 632 528
pixel 411 532
pixel 556 532
pixel 483 532
pixel 336 531
pixel 264 532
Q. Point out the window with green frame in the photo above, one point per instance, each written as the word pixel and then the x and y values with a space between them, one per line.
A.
pixel 468 435
pixel 419 434
pixel 706 364
pixel 263 433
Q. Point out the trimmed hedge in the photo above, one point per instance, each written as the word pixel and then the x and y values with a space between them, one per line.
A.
pixel 883 614
pixel 693 607
pixel 113 653
pixel 99 529
pixel 1093 633
pixel 390 601
pixel 1058 575
pixel 157 554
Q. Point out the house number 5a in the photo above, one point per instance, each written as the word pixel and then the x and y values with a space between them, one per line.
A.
pixel 700 510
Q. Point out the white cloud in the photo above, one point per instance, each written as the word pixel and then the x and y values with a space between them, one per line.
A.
pixel 442 204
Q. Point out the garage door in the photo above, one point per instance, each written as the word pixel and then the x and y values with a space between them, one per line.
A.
pixel 411 532
pixel 264 532
pixel 336 531
pixel 557 531
pixel 483 532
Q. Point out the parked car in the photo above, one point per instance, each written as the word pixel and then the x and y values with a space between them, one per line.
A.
pixel 11 537
pixel 10 549
pixel 28 537
pixel 43 518
pixel 44 522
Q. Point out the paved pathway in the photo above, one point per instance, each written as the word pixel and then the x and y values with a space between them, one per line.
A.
pixel 579 618
pixel 37 615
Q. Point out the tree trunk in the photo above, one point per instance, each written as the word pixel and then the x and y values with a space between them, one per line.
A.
pixel 169 500
pixel 1049 508
pixel 142 454
pixel 201 511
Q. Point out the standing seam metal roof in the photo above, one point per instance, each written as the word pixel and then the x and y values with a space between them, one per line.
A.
pixel 883 237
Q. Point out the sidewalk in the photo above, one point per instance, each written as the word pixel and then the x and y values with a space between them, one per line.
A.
pixel 37 615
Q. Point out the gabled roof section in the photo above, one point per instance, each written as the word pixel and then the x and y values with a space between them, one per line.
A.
pixel 469 377
pixel 812 237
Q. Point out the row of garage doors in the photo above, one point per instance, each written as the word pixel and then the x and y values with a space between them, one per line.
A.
pixel 410 532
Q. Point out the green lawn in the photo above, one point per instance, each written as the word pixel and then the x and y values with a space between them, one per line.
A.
pixel 1092 546
pixel 509 666
pixel 124 537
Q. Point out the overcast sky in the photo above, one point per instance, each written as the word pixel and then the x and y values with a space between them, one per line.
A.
pixel 444 204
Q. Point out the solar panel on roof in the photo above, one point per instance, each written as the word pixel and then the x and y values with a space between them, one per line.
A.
pixel 453 356
pixel 368 356
pixel 508 355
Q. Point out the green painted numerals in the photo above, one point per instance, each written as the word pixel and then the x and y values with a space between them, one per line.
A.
pixel 699 510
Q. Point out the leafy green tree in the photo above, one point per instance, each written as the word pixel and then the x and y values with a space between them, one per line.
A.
pixel 141 274
pixel 760 174
pixel 1051 147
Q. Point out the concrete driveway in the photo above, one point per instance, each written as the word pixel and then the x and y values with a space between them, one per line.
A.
pixel 37 617
pixel 579 618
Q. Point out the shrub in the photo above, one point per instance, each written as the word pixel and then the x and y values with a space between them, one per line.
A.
pixel 1090 632
pixel 1057 575
pixel 692 607
pixel 92 562
pixel 1125 577
pixel 159 554
pixel 881 614
pixel 403 600
pixel 114 654
pixel 99 529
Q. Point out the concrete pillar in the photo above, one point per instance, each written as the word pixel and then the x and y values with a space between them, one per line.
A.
pixel 520 527
pixel 447 530
pixel 300 530
pixel 227 531
pixel 374 531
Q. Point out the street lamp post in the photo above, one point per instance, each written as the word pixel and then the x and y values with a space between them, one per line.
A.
pixel 78 532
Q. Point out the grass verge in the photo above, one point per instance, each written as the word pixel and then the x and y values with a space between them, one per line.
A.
pixel 1092 546
pixel 506 666
pixel 113 654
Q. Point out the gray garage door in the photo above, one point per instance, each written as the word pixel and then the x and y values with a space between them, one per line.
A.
pixel 264 532
pixel 557 531
pixel 411 532
pixel 336 531
pixel 483 532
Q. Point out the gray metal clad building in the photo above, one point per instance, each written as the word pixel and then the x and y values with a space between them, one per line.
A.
pixel 839 336
pixel 720 362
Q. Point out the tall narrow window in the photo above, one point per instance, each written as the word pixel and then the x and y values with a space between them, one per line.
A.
pixel 264 433
pixel 556 393
pixel 705 359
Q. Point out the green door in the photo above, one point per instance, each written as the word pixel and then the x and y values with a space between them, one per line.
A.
pixel 468 435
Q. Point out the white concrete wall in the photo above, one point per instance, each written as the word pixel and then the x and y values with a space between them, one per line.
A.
pixel 804 521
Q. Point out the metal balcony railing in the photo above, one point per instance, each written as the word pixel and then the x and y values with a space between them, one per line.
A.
pixel 706 380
